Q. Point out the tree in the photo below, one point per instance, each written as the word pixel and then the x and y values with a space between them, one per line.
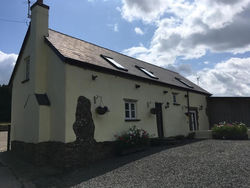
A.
pixel 5 103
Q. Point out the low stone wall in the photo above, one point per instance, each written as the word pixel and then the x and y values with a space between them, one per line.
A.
pixel 63 155
pixel 84 151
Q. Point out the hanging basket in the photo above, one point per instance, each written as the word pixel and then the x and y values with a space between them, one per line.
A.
pixel 153 111
pixel 101 110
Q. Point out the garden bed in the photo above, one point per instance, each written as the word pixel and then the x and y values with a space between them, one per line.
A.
pixel 230 131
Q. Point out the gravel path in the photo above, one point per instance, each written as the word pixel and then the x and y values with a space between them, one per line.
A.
pixel 208 163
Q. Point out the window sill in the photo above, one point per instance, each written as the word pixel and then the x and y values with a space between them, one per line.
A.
pixel 129 120
pixel 24 81
pixel 176 104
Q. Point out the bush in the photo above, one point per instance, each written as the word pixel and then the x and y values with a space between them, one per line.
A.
pixel 5 104
pixel 134 137
pixel 234 131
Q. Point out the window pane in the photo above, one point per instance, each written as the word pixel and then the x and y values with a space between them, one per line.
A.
pixel 126 106
pixel 150 74
pixel 130 110
pixel 132 106
pixel 132 114
pixel 127 114
pixel 174 98
pixel 115 63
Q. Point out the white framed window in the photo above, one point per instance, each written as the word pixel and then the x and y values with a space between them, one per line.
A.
pixel 130 110
pixel 175 98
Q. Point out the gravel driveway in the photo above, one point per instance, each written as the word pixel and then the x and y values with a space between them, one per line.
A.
pixel 208 163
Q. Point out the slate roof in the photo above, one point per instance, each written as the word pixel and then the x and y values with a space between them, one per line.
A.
pixel 81 53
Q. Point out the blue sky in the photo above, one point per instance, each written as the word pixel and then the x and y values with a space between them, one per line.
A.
pixel 200 39
pixel 88 20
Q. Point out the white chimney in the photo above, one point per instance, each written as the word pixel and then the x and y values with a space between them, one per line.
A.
pixel 39 57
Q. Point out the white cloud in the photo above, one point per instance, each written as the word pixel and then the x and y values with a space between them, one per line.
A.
pixel 116 27
pixel 188 29
pixel 118 9
pixel 139 31
pixel 7 62
pixel 147 10
pixel 229 78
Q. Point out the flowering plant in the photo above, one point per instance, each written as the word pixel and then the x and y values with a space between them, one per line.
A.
pixel 226 130
pixel 133 137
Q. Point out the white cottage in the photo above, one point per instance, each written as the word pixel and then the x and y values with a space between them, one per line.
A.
pixel 54 69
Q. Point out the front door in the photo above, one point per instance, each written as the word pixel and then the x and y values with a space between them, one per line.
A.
pixel 158 110
pixel 193 120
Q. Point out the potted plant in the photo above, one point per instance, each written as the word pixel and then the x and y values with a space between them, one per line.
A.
pixel 101 110
pixel 153 111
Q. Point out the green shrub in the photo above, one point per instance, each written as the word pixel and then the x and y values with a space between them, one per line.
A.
pixel 234 131
pixel 134 137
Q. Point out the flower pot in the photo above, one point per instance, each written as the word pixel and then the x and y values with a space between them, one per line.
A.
pixel 101 110
pixel 153 111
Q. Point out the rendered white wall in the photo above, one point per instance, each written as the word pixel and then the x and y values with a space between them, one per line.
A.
pixel 113 90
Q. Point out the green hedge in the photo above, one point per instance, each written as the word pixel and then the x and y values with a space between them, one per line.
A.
pixel 233 131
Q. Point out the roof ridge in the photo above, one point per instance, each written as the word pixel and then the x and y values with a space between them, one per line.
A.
pixel 114 51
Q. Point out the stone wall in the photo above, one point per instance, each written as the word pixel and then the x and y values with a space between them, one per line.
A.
pixel 63 155
pixel 83 151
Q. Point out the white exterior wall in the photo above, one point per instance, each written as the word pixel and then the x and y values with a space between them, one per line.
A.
pixel 56 94
pixel 174 119
pixel 114 90
pixel 197 100
pixel 32 122
pixel 64 83
pixel 24 120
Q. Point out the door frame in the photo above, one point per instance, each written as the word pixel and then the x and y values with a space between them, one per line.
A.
pixel 195 110
pixel 159 119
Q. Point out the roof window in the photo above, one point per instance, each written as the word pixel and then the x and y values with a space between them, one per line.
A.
pixel 114 63
pixel 150 74
pixel 184 82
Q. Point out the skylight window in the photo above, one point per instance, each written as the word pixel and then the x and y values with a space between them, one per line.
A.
pixel 183 82
pixel 114 63
pixel 150 74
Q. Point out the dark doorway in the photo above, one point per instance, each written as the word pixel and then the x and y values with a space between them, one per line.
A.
pixel 158 110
